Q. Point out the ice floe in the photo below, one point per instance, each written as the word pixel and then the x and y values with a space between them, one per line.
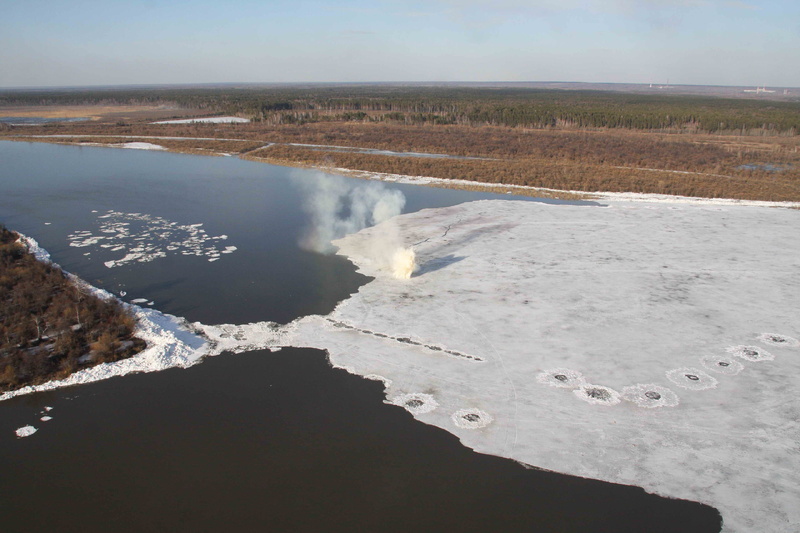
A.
pixel 26 431
pixel 144 238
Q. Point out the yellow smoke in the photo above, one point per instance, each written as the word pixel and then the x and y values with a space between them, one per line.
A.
pixel 404 263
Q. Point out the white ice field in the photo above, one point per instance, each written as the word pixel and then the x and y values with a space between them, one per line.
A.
pixel 646 344
pixel 612 342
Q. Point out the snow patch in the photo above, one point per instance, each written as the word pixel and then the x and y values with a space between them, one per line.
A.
pixel 205 120
pixel 139 146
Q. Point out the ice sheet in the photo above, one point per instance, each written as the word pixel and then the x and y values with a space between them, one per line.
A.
pixel 630 309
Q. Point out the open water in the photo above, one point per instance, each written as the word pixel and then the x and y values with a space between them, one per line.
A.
pixel 258 441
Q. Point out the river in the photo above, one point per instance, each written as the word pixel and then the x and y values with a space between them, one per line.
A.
pixel 256 441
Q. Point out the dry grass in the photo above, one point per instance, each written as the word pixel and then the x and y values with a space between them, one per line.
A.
pixel 94 112
pixel 569 159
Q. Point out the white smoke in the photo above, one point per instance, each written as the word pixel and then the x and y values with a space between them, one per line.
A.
pixel 338 207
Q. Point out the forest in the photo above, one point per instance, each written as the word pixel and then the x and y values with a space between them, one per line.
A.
pixel 448 105
pixel 49 326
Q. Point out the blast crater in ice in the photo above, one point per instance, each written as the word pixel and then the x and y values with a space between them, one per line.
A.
pixel 775 339
pixel 597 394
pixel 471 418
pixel 416 403
pixel 722 365
pixel 691 379
pixel 561 377
pixel 753 354
pixel 650 396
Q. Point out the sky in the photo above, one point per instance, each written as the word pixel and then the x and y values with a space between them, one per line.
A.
pixel 109 42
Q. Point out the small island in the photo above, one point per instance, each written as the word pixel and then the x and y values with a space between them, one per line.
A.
pixel 51 327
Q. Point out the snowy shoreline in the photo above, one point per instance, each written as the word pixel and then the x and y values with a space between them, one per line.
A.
pixel 459 183
pixel 582 195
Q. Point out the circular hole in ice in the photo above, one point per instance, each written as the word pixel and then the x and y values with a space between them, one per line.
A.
pixel 416 403
pixel 561 377
pixel 750 353
pixel 597 394
pixel 691 378
pixel 650 395
pixel 471 418
pixel 722 365
pixel 776 339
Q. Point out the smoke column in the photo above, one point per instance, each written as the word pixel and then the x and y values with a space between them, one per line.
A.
pixel 337 208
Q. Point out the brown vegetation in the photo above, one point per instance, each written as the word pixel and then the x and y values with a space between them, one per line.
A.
pixel 49 327
pixel 581 159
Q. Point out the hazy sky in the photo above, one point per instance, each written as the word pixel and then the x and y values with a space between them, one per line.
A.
pixel 105 42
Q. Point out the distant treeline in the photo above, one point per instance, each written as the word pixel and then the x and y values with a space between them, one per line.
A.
pixel 512 107
pixel 49 327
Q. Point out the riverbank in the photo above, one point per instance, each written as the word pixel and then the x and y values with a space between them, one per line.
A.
pixel 584 160
pixel 170 341
pixel 254 151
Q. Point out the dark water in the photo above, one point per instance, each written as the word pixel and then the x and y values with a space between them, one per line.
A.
pixel 258 441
